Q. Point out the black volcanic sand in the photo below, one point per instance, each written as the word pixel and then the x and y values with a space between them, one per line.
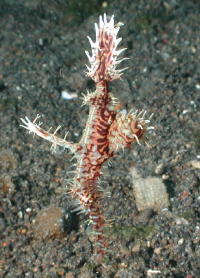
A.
pixel 42 47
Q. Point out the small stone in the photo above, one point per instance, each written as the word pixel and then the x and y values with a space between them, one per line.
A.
pixel 194 163
pixel 165 177
pixel 152 273
pixel 136 247
pixel 68 96
pixel 157 250
pixel 150 192
pixel 28 210
pixel 6 185
pixel 20 214
pixel 181 221
pixel 180 242
pixel 193 49
pixel 159 169
pixel 49 223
